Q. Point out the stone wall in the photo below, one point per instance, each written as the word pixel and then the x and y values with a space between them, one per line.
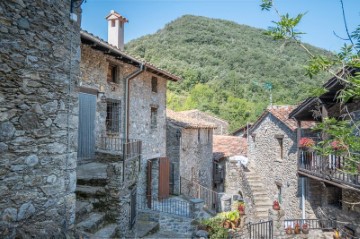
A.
pixel 39 65
pixel 221 125
pixel 173 136
pixel 94 67
pixel 264 154
pixel 196 156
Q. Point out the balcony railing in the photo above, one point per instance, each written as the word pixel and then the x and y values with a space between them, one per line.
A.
pixel 127 150
pixel 329 167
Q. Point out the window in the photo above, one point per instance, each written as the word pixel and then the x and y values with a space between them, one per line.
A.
pixel 113 116
pixel 280 139
pixel 154 84
pixel 112 23
pixel 279 195
pixel 153 118
pixel 198 135
pixel 112 75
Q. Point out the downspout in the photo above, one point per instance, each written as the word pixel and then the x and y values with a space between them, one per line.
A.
pixel 127 99
pixel 303 197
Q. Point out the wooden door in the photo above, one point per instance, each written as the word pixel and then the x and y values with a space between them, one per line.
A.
pixel 164 178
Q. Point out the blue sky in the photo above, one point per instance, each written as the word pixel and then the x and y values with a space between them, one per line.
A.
pixel 147 16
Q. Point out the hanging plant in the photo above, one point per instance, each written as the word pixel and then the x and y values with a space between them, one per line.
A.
pixel 306 142
pixel 338 146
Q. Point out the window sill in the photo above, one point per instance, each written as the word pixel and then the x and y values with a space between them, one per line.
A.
pixel 279 160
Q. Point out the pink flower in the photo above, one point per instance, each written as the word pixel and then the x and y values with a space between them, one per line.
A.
pixel 306 142
pixel 337 145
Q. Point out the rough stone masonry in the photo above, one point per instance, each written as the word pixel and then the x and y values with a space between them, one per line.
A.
pixel 39 65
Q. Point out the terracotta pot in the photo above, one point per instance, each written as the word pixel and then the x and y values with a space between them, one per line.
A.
pixel 288 231
pixel 305 230
pixel 297 230
pixel 227 224
pixel 276 207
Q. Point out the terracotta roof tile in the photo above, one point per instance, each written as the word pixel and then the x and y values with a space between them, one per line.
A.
pixel 227 146
pixel 184 121
pixel 282 113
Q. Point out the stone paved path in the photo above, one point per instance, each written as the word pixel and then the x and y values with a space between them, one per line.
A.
pixel 165 235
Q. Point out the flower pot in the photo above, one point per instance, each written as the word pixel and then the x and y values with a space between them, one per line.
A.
pixel 276 207
pixel 288 231
pixel 305 230
pixel 227 224
pixel 297 230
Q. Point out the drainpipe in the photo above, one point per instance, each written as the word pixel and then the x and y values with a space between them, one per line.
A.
pixel 127 99
pixel 303 197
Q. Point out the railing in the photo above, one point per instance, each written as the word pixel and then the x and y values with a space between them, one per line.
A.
pixel 193 189
pixel 323 224
pixel 331 166
pixel 261 230
pixel 169 205
pixel 128 150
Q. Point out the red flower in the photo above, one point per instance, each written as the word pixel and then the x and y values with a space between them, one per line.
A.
pixel 337 145
pixel 306 142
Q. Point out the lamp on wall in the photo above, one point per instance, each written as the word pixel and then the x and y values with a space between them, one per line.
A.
pixel 101 94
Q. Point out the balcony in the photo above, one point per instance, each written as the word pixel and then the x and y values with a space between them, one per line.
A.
pixel 328 169
pixel 126 149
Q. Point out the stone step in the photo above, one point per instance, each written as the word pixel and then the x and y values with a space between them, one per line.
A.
pixel 262 200
pixel 262 215
pixel 82 208
pixel 92 223
pixel 89 191
pixel 145 228
pixel 262 208
pixel 257 189
pixel 259 194
pixel 106 232
pixel 91 171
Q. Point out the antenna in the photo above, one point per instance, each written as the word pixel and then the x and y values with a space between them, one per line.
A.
pixel 268 86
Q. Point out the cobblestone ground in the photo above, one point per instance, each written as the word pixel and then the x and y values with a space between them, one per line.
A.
pixel 167 234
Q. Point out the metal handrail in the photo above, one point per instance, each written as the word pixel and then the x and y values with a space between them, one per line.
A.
pixel 169 205
pixel 194 189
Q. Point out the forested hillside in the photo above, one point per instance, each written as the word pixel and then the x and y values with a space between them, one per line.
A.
pixel 226 67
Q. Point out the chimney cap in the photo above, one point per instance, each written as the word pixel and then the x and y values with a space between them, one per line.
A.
pixel 114 15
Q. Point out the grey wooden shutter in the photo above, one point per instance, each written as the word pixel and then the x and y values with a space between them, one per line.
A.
pixel 86 137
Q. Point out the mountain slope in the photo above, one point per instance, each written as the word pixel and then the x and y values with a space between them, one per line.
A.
pixel 226 67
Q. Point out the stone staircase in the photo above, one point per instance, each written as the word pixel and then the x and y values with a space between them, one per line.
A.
pixel 91 219
pixel 261 199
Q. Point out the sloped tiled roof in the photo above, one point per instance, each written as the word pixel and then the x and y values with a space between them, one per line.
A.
pixel 182 120
pixel 227 146
pixel 196 111
pixel 282 114
pixel 102 45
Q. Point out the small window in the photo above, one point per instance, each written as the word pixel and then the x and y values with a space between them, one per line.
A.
pixel 153 118
pixel 113 116
pixel 112 23
pixel 112 75
pixel 279 196
pixel 198 135
pixel 154 84
pixel 281 145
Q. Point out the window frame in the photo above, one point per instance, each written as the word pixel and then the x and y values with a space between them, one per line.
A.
pixel 154 84
pixel 114 128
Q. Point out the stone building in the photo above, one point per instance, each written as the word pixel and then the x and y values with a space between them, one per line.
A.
pixel 272 152
pixel 332 192
pixel 189 148
pixel 122 125
pixel 68 125
pixel 39 67
pixel 222 126
pixel 229 156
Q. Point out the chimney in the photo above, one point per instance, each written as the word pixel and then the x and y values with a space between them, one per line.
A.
pixel 116 29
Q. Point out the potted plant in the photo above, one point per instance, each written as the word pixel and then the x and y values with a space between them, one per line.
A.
pixel 338 146
pixel 288 230
pixel 231 219
pixel 305 228
pixel 297 228
pixel 241 208
pixel 306 143
pixel 276 205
